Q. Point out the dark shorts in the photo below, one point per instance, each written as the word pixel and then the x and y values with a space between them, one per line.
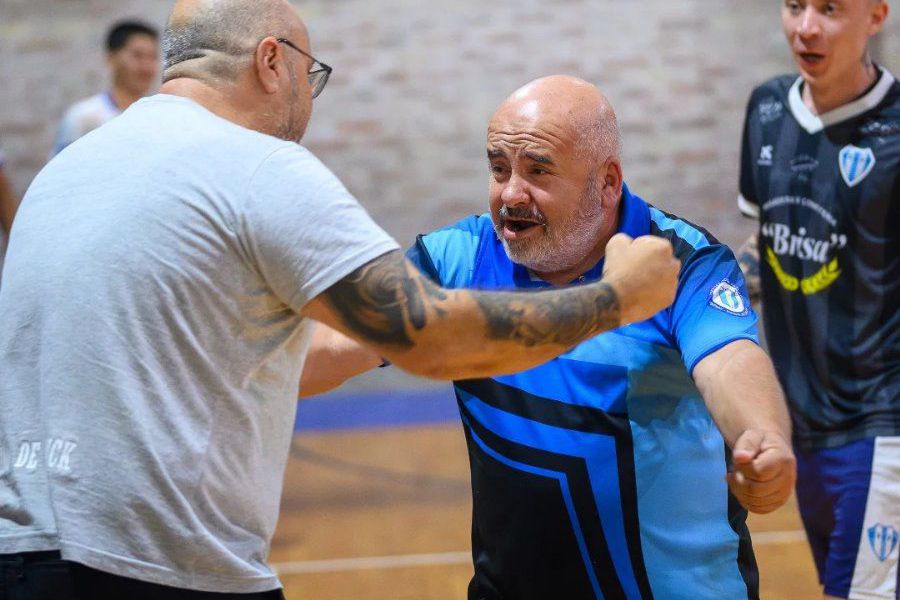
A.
pixel 849 500
pixel 45 576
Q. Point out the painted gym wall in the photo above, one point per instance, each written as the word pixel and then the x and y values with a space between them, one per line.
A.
pixel 402 121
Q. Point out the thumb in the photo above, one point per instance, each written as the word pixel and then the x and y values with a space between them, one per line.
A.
pixel 747 447
pixel 616 245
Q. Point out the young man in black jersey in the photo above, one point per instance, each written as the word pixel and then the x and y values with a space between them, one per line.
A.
pixel 820 169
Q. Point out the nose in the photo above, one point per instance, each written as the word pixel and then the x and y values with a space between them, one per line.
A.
pixel 515 192
pixel 808 25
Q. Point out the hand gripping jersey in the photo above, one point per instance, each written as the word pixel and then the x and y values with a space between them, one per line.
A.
pixel 826 191
pixel 600 474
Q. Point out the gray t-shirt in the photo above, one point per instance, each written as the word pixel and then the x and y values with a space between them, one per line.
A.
pixel 151 346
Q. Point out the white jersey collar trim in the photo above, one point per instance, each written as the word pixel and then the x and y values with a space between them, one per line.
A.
pixel 816 123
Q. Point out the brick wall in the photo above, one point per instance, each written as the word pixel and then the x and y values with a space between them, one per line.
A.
pixel 403 120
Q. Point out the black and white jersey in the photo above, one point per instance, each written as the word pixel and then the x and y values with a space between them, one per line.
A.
pixel 826 190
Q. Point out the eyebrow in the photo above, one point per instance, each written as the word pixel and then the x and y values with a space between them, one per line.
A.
pixel 539 158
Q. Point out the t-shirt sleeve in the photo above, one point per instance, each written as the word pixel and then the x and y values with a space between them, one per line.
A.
pixel 748 203
pixel 302 228
pixel 711 308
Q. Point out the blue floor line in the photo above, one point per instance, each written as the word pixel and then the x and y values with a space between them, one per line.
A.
pixel 365 410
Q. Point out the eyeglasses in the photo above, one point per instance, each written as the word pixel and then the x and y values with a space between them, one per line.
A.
pixel 318 73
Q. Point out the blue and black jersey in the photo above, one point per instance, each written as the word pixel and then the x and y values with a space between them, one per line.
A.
pixel 826 191
pixel 600 474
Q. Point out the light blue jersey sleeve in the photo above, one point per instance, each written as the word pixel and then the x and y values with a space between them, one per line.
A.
pixel 711 308
pixel 448 255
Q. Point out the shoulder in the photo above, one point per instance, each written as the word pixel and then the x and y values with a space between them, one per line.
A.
pixel 771 96
pixel 459 240
pixel 453 250
pixel 286 165
pixel 702 256
pixel 777 86
pixel 686 238
pixel 889 108
pixel 93 105
pixel 462 235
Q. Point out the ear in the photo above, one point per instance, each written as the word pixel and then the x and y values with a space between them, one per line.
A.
pixel 611 171
pixel 878 16
pixel 269 62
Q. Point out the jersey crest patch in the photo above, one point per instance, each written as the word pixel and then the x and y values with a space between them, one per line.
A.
pixel 883 540
pixel 728 298
pixel 856 163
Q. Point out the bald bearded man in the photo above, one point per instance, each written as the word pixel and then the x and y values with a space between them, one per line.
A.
pixel 161 279
pixel 602 473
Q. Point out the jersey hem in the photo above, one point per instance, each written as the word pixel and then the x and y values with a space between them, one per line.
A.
pixel 29 542
pixel 719 346
pixel 148 572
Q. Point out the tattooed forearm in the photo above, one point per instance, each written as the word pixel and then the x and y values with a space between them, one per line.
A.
pixel 387 302
pixel 748 259
pixel 383 301
pixel 563 318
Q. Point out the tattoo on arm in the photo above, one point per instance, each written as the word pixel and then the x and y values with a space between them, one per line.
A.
pixel 383 300
pixel 564 317
pixel 386 301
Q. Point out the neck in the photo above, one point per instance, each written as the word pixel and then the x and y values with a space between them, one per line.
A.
pixel 212 99
pixel 123 97
pixel 821 98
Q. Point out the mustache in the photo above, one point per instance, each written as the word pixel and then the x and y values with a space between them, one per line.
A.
pixel 528 213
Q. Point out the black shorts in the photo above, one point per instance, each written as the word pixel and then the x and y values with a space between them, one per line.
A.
pixel 46 576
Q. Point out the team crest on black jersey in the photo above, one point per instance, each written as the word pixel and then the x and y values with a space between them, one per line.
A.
pixel 856 163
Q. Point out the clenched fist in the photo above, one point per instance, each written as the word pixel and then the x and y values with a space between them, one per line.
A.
pixel 644 274
pixel 763 470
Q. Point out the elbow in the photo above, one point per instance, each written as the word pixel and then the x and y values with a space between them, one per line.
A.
pixel 444 364
pixel 432 365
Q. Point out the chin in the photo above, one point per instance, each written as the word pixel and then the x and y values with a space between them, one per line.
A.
pixel 544 263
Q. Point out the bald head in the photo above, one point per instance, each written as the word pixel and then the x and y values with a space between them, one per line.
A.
pixel 569 105
pixel 213 40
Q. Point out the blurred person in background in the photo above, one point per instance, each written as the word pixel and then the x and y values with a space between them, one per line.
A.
pixel 820 170
pixel 601 473
pixel 132 57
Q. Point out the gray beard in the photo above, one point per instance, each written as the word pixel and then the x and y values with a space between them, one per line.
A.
pixel 564 245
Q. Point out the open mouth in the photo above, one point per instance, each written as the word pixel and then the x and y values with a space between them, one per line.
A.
pixel 811 58
pixel 519 225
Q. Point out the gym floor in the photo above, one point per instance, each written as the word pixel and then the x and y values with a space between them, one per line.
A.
pixel 380 510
